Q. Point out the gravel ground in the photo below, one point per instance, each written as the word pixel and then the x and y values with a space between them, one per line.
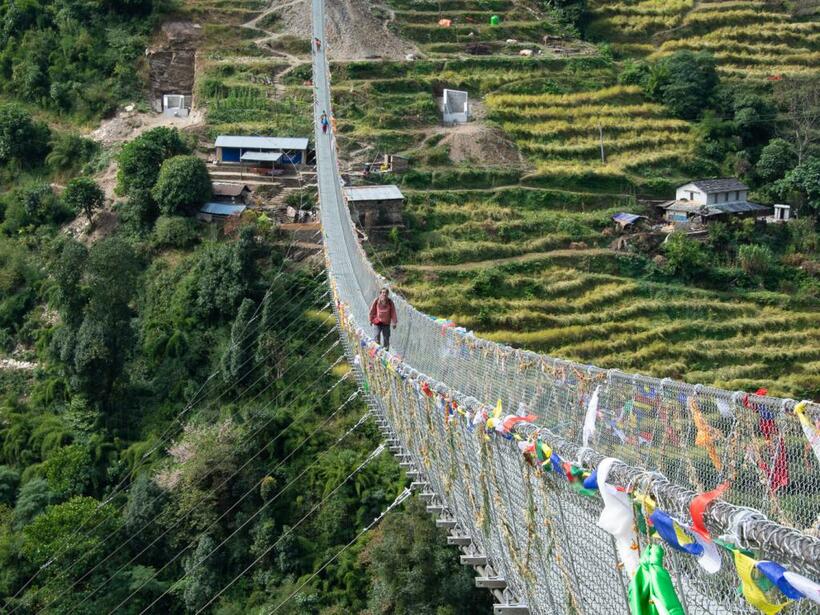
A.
pixel 354 31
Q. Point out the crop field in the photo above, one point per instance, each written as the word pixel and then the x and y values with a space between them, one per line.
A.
pixel 516 252
pixel 564 305
pixel 749 38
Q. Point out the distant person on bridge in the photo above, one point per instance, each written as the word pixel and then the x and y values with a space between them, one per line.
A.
pixel 323 121
pixel 318 45
pixel 382 315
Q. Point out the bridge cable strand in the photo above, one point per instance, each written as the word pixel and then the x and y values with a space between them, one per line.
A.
pixel 291 385
pixel 295 421
pixel 121 486
pixel 376 452
pixel 398 501
pixel 243 525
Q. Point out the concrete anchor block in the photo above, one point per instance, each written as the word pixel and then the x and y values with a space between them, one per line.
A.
pixel 435 509
pixel 473 560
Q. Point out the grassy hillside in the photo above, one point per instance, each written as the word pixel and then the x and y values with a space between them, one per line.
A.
pixel 519 252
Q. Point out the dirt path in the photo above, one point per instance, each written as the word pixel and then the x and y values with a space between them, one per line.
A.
pixel 522 258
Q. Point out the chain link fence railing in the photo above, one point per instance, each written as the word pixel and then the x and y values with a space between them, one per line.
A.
pixel 541 534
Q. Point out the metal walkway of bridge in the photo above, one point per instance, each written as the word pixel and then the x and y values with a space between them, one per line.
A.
pixel 501 444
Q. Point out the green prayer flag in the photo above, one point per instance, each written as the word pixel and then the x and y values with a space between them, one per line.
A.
pixel 651 591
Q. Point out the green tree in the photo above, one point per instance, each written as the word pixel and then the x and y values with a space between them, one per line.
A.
pixel 238 358
pixel 69 152
pixel 183 184
pixel 83 195
pixel 9 480
pixel 140 211
pixel 685 258
pixel 203 580
pixel 684 82
pixel 67 273
pixel 413 571
pixel 803 182
pixel 33 498
pixel 140 159
pixel 32 206
pixel 776 159
pixel 753 115
pixel 22 140
pixel 68 470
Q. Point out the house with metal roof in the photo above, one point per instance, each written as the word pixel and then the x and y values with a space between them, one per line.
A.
pixel 285 150
pixel 375 207
pixel 705 200
pixel 713 191
pixel 214 212
pixel 231 192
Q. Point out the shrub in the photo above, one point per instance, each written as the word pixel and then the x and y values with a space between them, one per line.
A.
pixel 175 232
pixel 183 184
pixel 140 160
pixel 22 140
pixel 69 152
pixel 83 195
pixel 755 259
pixel 685 258
pixel 33 206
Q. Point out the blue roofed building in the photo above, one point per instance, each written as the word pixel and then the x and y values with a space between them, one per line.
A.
pixel 234 149
pixel 214 212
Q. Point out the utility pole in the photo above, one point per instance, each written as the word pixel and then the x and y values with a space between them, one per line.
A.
pixel 601 137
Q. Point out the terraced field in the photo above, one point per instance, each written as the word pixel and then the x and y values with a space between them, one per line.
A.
pixel 516 252
pixel 565 305
pixel 749 38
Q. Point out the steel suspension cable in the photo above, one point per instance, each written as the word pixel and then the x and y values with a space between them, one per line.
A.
pixel 288 387
pixel 242 526
pixel 376 452
pixel 321 426
pixel 291 385
pixel 399 499
pixel 143 459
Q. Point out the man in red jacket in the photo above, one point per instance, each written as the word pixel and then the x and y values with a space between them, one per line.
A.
pixel 382 315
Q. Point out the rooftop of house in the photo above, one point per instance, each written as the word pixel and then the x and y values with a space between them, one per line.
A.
pixel 262 143
pixel 226 189
pixel 373 193
pixel 712 210
pixel 724 184
pixel 222 209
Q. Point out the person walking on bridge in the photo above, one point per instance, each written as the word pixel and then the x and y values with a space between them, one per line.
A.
pixel 382 316
pixel 318 45
pixel 323 121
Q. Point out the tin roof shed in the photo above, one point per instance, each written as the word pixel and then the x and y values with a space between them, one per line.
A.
pixel 373 193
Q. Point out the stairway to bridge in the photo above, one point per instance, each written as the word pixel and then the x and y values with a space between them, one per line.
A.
pixel 544 471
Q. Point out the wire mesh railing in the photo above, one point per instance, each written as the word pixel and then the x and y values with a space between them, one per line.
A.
pixel 674 440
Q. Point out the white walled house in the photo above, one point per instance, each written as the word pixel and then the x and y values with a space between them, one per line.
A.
pixel 704 200
pixel 713 191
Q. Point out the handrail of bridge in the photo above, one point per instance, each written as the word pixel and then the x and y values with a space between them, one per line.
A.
pixel 461 406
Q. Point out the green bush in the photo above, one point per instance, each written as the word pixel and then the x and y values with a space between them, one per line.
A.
pixel 83 195
pixel 755 260
pixel 23 141
pixel 140 159
pixel 175 232
pixel 776 159
pixel 182 186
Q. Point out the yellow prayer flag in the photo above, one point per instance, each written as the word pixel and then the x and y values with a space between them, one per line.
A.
pixel 751 590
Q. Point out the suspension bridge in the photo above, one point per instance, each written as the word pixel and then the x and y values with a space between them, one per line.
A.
pixel 573 489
